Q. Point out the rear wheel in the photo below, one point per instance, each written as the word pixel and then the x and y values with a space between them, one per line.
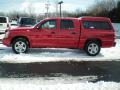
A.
pixel 20 45
pixel 92 48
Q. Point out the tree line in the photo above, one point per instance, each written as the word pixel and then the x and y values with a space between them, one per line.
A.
pixel 103 8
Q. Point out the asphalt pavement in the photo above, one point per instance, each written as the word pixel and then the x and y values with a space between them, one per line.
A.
pixel 104 70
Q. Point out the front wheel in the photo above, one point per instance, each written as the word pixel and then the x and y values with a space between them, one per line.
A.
pixel 20 45
pixel 92 48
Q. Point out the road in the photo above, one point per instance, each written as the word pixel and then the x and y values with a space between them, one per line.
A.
pixel 103 70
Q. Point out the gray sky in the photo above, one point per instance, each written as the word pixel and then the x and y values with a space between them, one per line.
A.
pixel 38 6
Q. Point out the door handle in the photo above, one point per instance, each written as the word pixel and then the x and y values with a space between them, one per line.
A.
pixel 73 33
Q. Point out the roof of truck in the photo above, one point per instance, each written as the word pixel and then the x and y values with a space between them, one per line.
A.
pixel 94 18
pixel 63 18
pixel 91 18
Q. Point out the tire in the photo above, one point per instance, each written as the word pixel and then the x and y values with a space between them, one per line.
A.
pixel 92 48
pixel 20 45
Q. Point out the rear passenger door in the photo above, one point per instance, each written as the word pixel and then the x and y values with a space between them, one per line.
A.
pixel 68 35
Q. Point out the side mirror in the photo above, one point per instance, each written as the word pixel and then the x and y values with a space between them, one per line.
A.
pixel 38 28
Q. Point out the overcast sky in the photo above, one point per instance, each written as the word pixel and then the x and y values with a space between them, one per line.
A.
pixel 38 6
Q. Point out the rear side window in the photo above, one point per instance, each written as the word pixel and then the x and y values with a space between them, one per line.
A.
pixel 66 24
pixel 97 25
pixel 3 20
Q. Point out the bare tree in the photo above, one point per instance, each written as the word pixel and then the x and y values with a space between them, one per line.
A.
pixel 103 6
pixel 56 7
pixel 30 10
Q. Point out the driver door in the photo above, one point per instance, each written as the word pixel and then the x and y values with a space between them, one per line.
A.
pixel 45 36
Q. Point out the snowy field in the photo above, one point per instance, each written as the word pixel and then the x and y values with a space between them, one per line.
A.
pixel 117 28
pixel 21 85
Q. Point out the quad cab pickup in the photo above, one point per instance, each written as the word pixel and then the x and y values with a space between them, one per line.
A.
pixel 87 33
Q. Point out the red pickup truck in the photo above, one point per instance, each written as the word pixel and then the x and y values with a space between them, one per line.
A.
pixel 88 33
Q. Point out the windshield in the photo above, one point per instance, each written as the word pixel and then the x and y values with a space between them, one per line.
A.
pixel 37 23
pixel 27 22
pixel 2 20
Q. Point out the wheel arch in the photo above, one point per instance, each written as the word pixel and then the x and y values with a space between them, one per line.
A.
pixel 94 40
pixel 23 37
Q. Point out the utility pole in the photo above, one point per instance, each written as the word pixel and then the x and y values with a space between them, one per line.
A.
pixel 56 7
pixel 47 5
pixel 60 7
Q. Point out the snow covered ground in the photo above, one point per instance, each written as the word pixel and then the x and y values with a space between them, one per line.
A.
pixel 55 55
pixel 117 28
pixel 27 85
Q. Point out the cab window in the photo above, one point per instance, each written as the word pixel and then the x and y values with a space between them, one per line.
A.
pixel 51 24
